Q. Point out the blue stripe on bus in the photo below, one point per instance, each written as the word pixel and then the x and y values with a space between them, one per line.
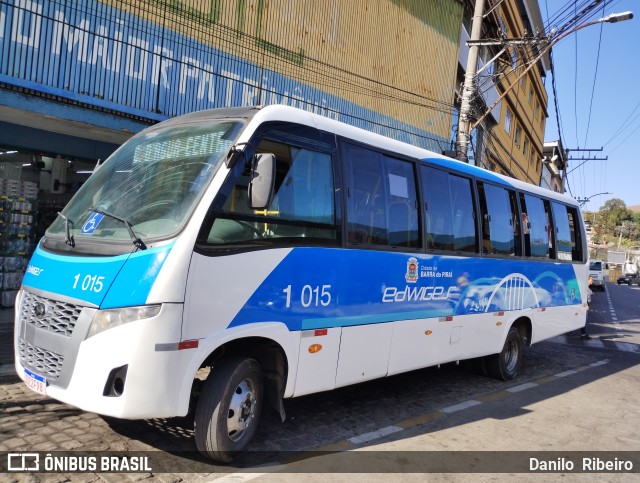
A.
pixel 324 322
pixel 467 169
pixel 322 288
pixel 91 279
pixel 135 280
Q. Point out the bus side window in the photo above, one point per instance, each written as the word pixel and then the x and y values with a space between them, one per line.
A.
pixel 537 222
pixel 515 223
pixel 381 199
pixel 497 208
pixel 365 203
pixel 550 229
pixel 302 206
pixel 576 235
pixel 465 236
pixel 449 211
pixel 526 226
pixel 437 196
pixel 565 232
pixel 403 203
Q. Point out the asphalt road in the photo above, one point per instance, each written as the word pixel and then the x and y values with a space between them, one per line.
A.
pixel 615 314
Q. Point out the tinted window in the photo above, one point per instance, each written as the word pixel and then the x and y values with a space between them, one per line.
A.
pixel 381 199
pixel 302 205
pixel 449 211
pixel 535 226
pixel 576 234
pixel 403 203
pixel 595 266
pixel 499 220
pixel 564 243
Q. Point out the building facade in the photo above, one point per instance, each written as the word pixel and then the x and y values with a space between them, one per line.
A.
pixel 102 70
pixel 510 138
pixel 554 166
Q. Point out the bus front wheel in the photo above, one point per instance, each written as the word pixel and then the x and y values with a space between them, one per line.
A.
pixel 506 365
pixel 229 408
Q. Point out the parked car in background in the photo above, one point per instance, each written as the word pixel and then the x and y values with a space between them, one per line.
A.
pixel 596 274
pixel 629 279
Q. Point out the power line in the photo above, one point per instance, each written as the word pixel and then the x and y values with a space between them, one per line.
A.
pixel 624 140
pixel 595 77
pixel 625 124
pixel 555 100
pixel 575 81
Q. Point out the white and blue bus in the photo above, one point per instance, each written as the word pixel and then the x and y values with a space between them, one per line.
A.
pixel 227 259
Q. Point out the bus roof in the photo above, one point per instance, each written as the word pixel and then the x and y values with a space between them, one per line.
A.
pixel 277 112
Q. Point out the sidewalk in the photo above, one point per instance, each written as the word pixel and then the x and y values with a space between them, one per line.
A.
pixel 7 369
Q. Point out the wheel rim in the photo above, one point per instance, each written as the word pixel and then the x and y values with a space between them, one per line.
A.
pixel 511 355
pixel 242 410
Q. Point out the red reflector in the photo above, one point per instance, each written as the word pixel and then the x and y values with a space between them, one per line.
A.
pixel 320 332
pixel 448 318
pixel 187 344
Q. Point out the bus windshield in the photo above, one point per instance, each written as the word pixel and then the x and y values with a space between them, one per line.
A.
pixel 147 188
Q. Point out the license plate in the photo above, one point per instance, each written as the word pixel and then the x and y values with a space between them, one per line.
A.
pixel 35 382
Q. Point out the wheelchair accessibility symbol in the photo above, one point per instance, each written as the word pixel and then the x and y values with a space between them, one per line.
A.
pixel 91 224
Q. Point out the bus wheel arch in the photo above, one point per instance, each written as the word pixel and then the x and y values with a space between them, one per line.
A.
pixel 268 354
pixel 523 324
pixel 507 363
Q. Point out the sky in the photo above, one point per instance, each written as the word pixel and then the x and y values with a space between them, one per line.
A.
pixel 598 100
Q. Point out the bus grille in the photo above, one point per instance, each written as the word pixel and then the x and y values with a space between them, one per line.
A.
pixel 42 361
pixel 55 316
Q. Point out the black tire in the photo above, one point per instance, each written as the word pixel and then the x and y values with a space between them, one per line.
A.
pixel 506 365
pixel 232 394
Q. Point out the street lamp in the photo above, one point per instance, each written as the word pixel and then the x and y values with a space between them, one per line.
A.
pixel 465 126
pixel 583 201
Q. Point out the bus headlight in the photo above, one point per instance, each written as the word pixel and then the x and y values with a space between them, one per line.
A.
pixel 108 319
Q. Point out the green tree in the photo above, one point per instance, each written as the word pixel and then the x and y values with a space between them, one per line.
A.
pixel 634 228
pixel 610 218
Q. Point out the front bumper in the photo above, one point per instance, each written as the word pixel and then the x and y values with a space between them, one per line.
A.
pixel 80 371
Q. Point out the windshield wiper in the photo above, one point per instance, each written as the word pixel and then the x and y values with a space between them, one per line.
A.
pixel 69 241
pixel 137 241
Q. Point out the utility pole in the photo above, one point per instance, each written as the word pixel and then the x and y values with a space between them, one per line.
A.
pixel 547 43
pixel 464 121
pixel 583 159
pixel 465 126
pixel 620 237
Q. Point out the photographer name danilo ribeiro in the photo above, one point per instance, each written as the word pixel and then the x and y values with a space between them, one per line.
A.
pixel 588 464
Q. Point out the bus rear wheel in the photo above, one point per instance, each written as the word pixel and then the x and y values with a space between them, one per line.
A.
pixel 506 365
pixel 229 408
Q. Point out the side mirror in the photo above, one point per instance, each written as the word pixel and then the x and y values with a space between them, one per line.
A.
pixel 262 181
